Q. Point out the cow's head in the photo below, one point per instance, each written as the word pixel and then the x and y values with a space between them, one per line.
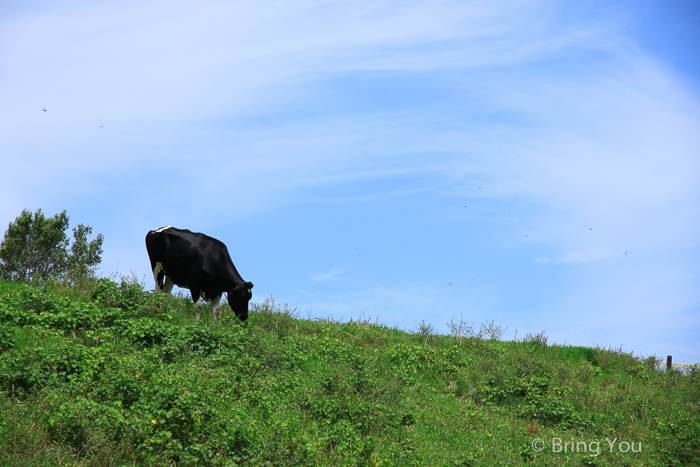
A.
pixel 238 299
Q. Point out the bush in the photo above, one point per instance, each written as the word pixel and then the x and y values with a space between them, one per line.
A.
pixel 128 295
pixel 678 439
pixel 6 340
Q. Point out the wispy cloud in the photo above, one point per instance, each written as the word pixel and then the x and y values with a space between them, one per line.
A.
pixel 331 275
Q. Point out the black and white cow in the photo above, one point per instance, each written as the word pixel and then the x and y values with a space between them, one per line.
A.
pixel 195 261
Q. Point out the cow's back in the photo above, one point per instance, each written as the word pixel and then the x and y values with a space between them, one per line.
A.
pixel 184 254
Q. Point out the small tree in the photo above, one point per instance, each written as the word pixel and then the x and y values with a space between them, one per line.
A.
pixel 84 256
pixel 35 248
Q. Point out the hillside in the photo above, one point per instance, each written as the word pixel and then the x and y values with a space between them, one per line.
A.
pixel 117 376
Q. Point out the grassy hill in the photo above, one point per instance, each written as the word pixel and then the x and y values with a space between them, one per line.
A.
pixel 115 376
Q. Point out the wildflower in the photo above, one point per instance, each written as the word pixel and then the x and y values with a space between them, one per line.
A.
pixel 154 421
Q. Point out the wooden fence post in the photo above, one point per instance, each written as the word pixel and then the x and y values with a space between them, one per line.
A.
pixel 669 363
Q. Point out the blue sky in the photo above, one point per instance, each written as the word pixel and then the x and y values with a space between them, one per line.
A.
pixel 407 161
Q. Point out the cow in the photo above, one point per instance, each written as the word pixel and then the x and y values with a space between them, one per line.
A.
pixel 200 263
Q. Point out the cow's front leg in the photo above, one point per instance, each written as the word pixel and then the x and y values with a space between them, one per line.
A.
pixel 215 304
pixel 197 299
pixel 197 305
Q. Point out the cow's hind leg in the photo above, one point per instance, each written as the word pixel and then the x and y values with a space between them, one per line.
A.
pixel 163 283
pixel 159 276
pixel 168 285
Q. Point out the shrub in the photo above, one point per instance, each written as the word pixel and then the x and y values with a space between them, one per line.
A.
pixel 128 295
pixel 6 339
pixel 679 439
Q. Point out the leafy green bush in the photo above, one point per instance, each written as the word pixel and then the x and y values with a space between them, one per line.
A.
pixel 128 295
pixel 147 332
pixel 83 424
pixel 29 369
pixel 6 339
pixel 39 307
pixel 678 438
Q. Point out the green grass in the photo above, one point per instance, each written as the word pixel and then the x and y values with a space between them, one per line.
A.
pixel 111 375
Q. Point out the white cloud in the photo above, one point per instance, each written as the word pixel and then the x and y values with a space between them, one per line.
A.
pixel 331 275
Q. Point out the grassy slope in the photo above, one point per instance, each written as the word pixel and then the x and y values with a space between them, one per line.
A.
pixel 128 378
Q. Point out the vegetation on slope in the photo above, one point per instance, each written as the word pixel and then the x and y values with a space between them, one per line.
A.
pixel 115 376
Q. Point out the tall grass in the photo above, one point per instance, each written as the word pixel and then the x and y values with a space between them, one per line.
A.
pixel 113 376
